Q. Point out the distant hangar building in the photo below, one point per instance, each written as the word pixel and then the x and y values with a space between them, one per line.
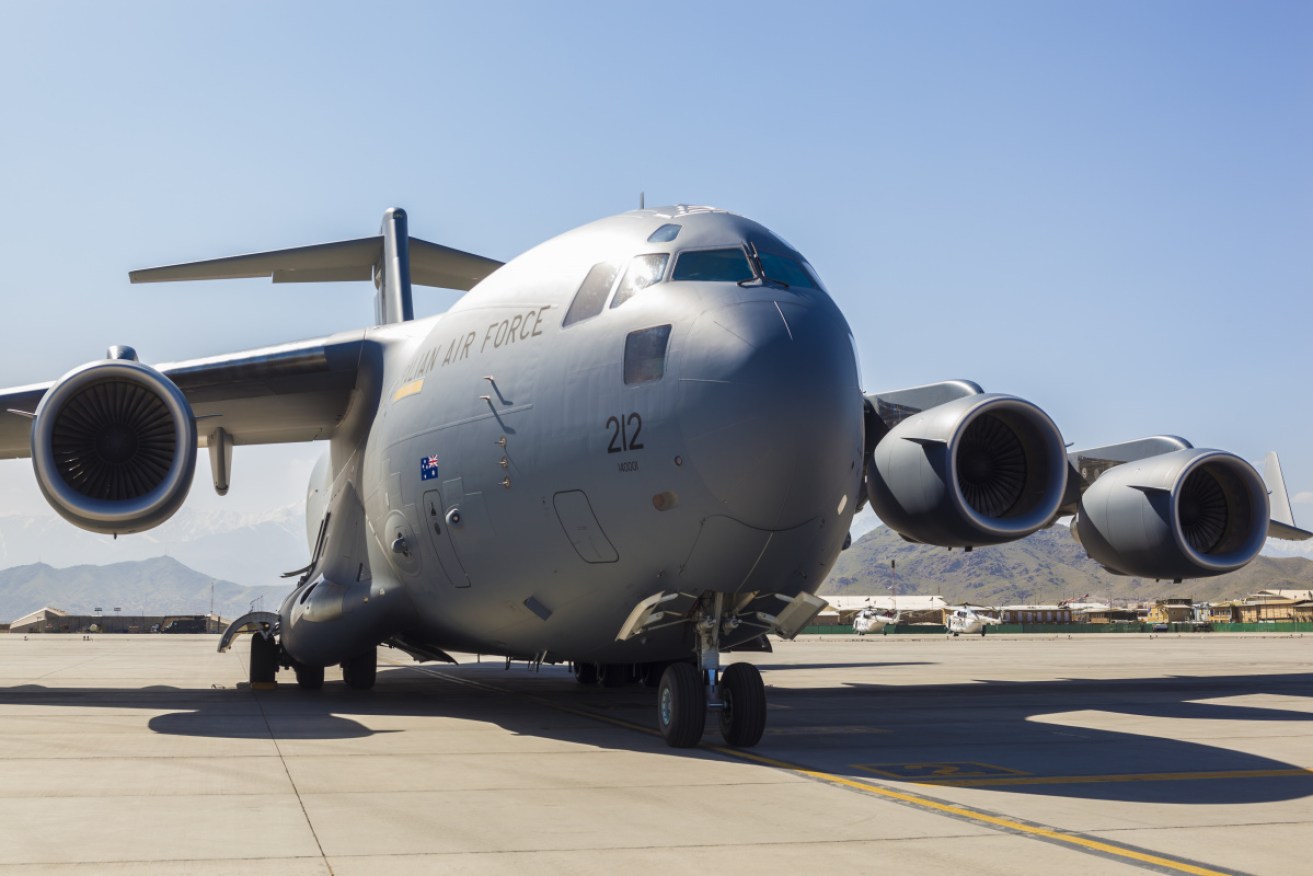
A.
pixel 56 620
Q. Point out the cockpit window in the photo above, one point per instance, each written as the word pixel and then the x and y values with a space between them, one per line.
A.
pixel 645 354
pixel 785 269
pixel 727 265
pixel 664 234
pixel 591 297
pixel 643 271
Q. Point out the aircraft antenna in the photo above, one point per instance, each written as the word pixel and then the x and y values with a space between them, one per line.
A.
pixel 642 200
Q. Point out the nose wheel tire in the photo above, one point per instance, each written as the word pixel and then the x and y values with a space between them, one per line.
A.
pixel 743 716
pixel 359 671
pixel 681 705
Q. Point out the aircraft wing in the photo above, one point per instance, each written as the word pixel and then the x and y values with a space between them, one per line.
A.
pixel 299 391
pixel 431 264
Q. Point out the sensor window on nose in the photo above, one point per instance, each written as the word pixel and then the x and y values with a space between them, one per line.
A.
pixel 645 354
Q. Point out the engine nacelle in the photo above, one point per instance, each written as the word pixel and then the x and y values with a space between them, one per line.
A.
pixel 1185 514
pixel 979 470
pixel 114 446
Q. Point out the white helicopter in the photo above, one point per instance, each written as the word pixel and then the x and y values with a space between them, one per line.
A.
pixel 875 620
pixel 965 619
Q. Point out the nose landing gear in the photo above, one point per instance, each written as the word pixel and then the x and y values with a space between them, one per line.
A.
pixel 687 691
pixel 691 688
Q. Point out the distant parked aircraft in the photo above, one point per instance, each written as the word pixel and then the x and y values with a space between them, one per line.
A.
pixel 965 619
pixel 874 620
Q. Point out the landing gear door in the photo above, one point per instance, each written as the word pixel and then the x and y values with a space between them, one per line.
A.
pixel 435 518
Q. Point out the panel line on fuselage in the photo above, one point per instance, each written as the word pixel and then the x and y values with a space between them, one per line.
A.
pixel 429 430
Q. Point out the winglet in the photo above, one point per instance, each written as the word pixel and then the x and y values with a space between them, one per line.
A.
pixel 1282 525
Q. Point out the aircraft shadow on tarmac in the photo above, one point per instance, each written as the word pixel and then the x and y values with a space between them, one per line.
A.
pixel 1040 737
pixel 1012 730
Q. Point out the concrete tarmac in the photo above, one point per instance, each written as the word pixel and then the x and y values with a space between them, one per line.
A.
pixel 995 755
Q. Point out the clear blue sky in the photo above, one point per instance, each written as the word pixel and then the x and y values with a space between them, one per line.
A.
pixel 1105 207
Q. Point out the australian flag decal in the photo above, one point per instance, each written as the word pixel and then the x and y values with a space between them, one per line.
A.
pixel 428 468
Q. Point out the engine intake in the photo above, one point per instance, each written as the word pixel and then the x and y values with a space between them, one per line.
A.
pixel 1186 514
pixel 979 470
pixel 114 447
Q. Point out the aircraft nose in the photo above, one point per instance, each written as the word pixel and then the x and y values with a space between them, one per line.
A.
pixel 772 411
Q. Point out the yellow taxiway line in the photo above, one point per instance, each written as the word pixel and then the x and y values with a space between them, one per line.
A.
pixel 998 822
pixel 996 781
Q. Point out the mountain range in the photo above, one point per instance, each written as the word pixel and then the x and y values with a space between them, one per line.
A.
pixel 248 549
pixel 1045 568
pixel 156 586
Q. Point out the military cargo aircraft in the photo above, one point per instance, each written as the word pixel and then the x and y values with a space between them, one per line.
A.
pixel 632 448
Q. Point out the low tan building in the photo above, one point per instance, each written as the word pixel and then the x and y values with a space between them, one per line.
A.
pixel 1106 615
pixel 56 620
pixel 1275 606
pixel 43 620
pixel 1223 612
pixel 1174 610
pixel 1035 614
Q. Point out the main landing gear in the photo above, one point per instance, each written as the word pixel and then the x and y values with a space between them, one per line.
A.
pixel 267 655
pixel 359 672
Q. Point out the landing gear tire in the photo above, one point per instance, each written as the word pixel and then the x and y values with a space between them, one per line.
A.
pixel 584 673
pixel 681 705
pixel 309 677
pixel 359 672
pixel 264 660
pixel 614 674
pixel 743 716
pixel 649 674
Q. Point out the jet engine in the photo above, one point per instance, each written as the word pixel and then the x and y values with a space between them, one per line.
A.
pixel 979 470
pixel 114 445
pixel 1186 514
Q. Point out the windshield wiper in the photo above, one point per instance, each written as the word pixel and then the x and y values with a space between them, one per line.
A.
pixel 754 258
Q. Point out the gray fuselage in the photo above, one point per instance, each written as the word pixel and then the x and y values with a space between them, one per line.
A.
pixel 525 483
